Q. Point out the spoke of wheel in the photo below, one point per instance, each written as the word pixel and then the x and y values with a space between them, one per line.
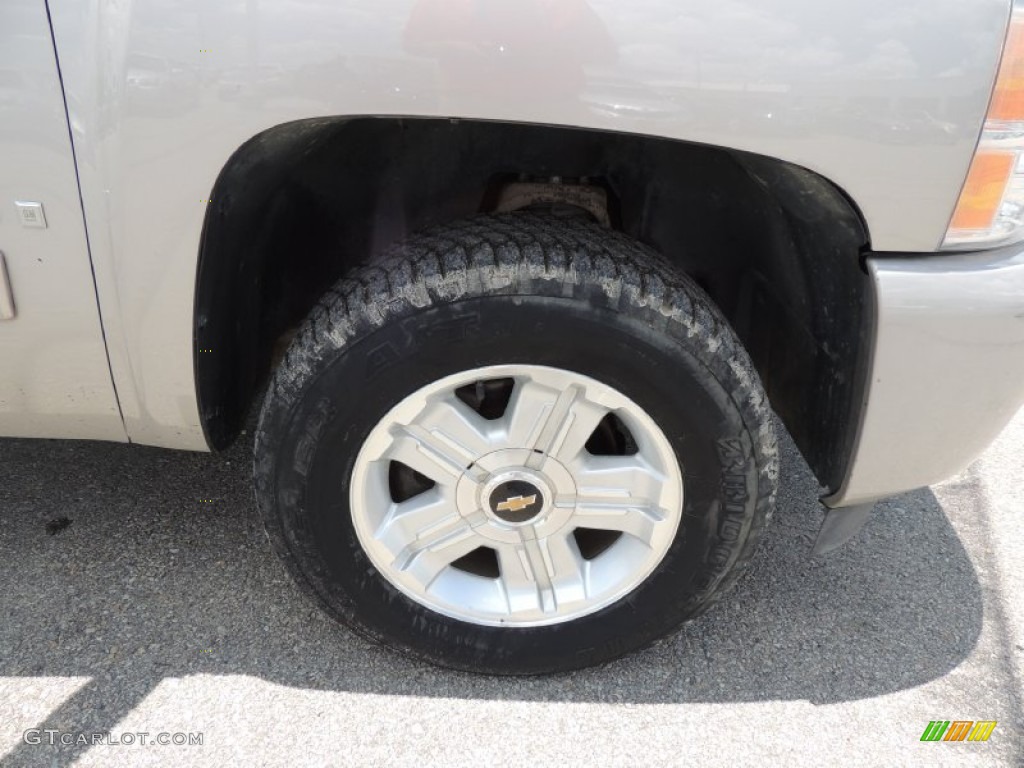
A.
pixel 443 443
pixel 434 534
pixel 636 519
pixel 456 424
pixel 541 574
pixel 618 479
pixel 552 421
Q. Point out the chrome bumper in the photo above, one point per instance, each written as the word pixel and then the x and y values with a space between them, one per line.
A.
pixel 947 372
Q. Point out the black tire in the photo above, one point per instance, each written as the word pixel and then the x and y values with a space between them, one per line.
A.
pixel 515 288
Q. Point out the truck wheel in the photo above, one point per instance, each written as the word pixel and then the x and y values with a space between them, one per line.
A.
pixel 518 444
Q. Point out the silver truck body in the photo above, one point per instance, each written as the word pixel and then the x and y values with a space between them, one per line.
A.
pixel 885 100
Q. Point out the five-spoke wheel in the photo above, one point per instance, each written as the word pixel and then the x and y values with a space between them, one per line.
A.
pixel 516 495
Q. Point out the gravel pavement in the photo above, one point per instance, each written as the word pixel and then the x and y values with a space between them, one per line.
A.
pixel 139 595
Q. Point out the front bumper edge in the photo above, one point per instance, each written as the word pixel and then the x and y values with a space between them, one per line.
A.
pixel 947 370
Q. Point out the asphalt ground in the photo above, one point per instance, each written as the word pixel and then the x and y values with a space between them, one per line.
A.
pixel 138 595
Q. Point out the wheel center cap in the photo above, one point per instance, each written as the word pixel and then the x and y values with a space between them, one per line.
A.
pixel 515 498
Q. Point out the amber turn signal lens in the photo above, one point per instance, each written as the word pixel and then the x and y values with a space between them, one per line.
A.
pixel 1008 96
pixel 983 190
pixel 990 210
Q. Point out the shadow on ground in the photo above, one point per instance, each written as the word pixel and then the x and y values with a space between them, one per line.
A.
pixel 164 572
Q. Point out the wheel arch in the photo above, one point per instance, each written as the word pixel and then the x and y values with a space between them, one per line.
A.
pixel 778 247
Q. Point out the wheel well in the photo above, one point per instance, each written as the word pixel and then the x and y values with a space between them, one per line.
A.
pixel 776 246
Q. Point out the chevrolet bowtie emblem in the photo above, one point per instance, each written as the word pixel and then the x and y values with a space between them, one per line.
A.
pixel 516 503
